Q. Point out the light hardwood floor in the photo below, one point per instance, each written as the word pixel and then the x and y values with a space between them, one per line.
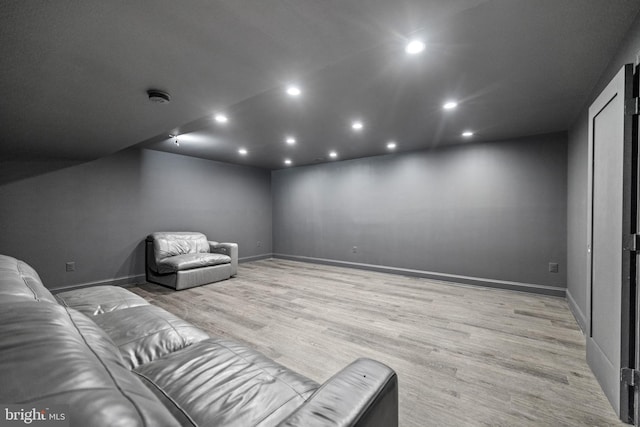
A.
pixel 464 355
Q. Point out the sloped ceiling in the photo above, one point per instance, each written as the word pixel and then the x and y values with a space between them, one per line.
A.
pixel 74 74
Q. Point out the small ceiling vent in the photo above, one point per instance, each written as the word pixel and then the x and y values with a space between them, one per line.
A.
pixel 158 97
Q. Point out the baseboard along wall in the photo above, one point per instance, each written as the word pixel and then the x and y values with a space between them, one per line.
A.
pixel 118 281
pixel 581 319
pixel 135 279
pixel 476 281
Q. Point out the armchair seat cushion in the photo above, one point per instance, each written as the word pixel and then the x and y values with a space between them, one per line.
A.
pixel 189 261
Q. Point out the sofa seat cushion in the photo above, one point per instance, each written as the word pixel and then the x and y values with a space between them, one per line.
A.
pixel 100 299
pixel 190 261
pixel 218 382
pixel 52 355
pixel 146 332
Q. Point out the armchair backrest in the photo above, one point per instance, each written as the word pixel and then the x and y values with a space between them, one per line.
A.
pixel 168 244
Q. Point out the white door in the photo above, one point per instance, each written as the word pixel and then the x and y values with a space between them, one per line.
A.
pixel 609 219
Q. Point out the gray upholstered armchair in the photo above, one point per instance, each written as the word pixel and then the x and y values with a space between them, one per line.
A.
pixel 183 260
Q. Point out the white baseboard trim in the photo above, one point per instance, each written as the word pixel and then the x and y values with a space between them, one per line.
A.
pixel 136 278
pixel 581 319
pixel 119 281
pixel 476 281
pixel 255 257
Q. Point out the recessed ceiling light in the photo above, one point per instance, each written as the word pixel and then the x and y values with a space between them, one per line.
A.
pixel 290 140
pixel 287 161
pixel 391 145
pixel 293 90
pixel 414 47
pixel 467 133
pixel 243 152
pixel 221 118
pixel 357 125
pixel 333 154
pixel 450 105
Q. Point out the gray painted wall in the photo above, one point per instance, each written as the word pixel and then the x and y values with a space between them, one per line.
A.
pixel 98 213
pixel 492 211
pixel 577 181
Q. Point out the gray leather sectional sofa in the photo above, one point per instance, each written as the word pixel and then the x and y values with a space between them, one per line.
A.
pixel 186 259
pixel 110 358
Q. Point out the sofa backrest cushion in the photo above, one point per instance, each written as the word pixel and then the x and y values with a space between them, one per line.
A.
pixel 168 244
pixel 52 355
pixel 20 282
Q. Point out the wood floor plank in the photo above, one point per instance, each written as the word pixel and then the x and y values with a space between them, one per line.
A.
pixel 465 355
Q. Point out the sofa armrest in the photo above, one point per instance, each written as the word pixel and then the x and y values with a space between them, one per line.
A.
pixel 363 394
pixel 229 249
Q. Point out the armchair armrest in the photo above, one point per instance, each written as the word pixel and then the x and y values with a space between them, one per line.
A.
pixel 229 249
pixel 363 394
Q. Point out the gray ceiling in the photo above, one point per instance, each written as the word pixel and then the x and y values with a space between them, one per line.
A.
pixel 74 74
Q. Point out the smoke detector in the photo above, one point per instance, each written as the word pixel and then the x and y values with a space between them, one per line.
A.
pixel 158 97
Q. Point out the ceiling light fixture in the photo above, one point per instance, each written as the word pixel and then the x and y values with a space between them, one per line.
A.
pixel 293 90
pixel 290 140
pixel 467 133
pixel 221 118
pixel 391 145
pixel 333 154
pixel 158 96
pixel 243 152
pixel 287 162
pixel 357 125
pixel 414 47
pixel 450 105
